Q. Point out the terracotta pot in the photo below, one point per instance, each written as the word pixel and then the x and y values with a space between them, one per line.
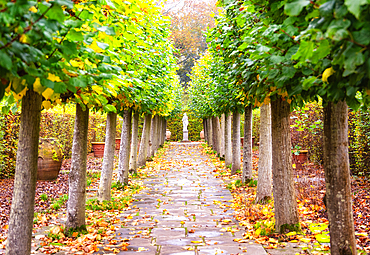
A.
pixel 50 159
pixel 168 134
pixel 242 141
pixel 118 143
pixel 98 148
pixel 202 134
pixel 300 159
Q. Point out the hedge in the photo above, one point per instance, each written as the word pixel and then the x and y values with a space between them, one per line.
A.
pixel 307 132
pixel 53 125
pixel 175 126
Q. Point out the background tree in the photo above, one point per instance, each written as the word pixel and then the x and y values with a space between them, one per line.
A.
pixel 189 22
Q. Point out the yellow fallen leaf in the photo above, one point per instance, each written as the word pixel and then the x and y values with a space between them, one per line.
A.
pixel 142 249
pixel 239 240
pixel 273 240
pixel 305 240
pixel 291 233
pixel 188 248
pixel 197 241
pixel 361 234
pixel 55 230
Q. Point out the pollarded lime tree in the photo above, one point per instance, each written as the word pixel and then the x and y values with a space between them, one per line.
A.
pixel 56 51
pixel 310 51
pixel 336 38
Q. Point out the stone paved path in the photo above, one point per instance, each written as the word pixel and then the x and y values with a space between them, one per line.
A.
pixel 179 208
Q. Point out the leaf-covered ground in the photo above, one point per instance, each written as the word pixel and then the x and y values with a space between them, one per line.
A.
pixel 256 220
pixel 310 189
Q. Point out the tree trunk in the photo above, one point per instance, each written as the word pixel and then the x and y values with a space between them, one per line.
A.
pixel 160 132
pixel 157 134
pixel 104 192
pixel 23 202
pixel 134 142
pixel 264 184
pixel 337 179
pixel 144 143
pixel 124 151
pixel 236 143
pixel 286 214
pixel 228 150
pixel 150 152
pixel 222 149
pixel 216 134
pixel 205 130
pixel 247 146
pixel 77 175
pixel 164 130
pixel 210 132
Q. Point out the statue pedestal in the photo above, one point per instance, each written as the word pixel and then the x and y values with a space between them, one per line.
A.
pixel 185 136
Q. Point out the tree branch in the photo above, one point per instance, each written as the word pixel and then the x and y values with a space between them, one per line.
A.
pixel 27 29
pixel 291 37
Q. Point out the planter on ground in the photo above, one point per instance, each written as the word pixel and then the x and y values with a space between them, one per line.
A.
pixel 201 134
pixel 299 158
pixel 118 143
pixel 49 160
pixel 242 141
pixel 98 148
pixel 168 134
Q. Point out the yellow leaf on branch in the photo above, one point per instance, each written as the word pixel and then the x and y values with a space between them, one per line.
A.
pixel 327 73
pixel 53 77
pixel 47 93
pixel 25 39
pixel 33 9
pixel 46 105
pixel 37 86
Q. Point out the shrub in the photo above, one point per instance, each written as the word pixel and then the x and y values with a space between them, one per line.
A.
pixel 53 125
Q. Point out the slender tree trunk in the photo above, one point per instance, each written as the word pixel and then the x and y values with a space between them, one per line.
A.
pixel 23 202
pixel 164 130
pixel 222 135
pixel 228 149
pixel 134 142
pixel 264 184
pixel 247 146
pixel 157 134
pixel 77 175
pixel 124 151
pixel 236 143
pixel 210 132
pixel 144 143
pixel 160 131
pixel 104 192
pixel 205 130
pixel 337 179
pixel 150 152
pixel 216 134
pixel 286 214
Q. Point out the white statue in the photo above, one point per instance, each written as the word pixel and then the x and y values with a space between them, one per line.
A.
pixel 185 122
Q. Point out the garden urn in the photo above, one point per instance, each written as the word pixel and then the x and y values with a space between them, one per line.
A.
pixel 168 134
pixel 98 149
pixel 49 160
pixel 201 134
